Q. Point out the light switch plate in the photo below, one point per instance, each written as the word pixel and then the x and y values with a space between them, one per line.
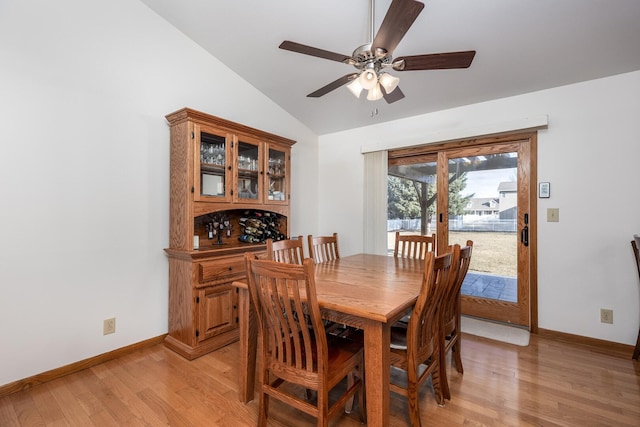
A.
pixel 553 215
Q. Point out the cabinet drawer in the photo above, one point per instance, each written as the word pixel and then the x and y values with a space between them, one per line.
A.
pixel 221 269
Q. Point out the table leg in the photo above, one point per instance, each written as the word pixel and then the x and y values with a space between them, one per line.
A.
pixel 248 349
pixel 376 362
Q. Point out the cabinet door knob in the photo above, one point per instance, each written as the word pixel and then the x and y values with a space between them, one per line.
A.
pixel 230 268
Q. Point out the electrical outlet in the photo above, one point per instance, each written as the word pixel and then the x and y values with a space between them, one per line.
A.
pixel 109 326
pixel 606 315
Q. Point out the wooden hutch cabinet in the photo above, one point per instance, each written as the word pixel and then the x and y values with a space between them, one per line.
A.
pixel 223 175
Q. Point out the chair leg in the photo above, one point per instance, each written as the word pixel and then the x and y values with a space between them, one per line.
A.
pixel 636 351
pixel 457 358
pixel 361 394
pixel 412 396
pixel 348 407
pixel 323 409
pixel 263 409
pixel 457 347
pixel 362 408
pixel 439 383
pixel 263 402
pixel 443 383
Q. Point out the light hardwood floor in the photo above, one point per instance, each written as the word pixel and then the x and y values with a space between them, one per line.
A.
pixel 548 383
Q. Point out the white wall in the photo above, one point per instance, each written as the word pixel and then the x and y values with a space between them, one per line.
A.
pixel 589 153
pixel 84 172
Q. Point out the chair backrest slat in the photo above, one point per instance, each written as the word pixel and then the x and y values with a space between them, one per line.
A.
pixel 323 248
pixel 290 251
pixel 413 245
pixel 283 294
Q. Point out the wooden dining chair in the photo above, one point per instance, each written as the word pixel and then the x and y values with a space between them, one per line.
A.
pixel 413 245
pixel 323 248
pixel 635 244
pixel 294 353
pixel 416 349
pixel 290 251
pixel 451 312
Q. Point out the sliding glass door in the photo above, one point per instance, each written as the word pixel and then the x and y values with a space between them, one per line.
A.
pixel 490 207
pixel 478 191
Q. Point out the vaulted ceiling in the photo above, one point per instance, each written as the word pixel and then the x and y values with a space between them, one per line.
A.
pixel 522 46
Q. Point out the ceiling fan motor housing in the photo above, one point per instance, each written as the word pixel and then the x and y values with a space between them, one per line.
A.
pixel 363 57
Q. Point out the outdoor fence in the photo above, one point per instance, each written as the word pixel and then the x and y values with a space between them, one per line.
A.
pixel 456 224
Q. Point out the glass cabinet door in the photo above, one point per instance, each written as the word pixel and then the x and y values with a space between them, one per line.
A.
pixel 249 186
pixel 211 166
pixel 278 168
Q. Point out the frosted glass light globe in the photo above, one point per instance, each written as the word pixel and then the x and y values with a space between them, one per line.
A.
pixel 375 93
pixel 355 87
pixel 389 82
pixel 368 79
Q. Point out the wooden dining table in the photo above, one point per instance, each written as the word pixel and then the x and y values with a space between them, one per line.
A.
pixel 366 291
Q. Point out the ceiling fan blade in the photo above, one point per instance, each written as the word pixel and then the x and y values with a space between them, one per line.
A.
pixel 313 51
pixel 396 23
pixel 395 95
pixel 436 61
pixel 333 85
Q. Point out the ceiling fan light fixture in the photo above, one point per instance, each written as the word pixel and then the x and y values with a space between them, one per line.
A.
pixel 368 79
pixel 372 58
pixel 389 82
pixel 375 93
pixel 355 87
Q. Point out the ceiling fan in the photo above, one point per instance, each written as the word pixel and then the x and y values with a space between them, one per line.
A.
pixel 373 58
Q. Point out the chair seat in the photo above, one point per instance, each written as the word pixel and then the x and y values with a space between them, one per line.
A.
pixel 398 337
pixel 399 348
pixel 339 348
pixel 343 355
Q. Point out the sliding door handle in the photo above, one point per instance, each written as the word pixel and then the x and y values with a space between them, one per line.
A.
pixel 524 235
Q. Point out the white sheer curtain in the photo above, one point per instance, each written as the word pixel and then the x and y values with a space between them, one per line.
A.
pixel 375 202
